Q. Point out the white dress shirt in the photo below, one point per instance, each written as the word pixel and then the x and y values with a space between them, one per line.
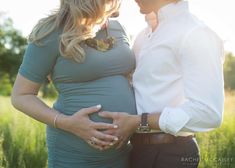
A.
pixel 179 72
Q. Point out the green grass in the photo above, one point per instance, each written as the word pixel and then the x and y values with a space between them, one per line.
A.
pixel 218 146
pixel 22 140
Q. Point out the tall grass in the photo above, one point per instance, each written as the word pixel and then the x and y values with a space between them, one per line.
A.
pixel 218 146
pixel 22 140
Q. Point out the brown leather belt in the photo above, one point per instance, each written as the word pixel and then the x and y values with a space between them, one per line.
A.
pixel 157 138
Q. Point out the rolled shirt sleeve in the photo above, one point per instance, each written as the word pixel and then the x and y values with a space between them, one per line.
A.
pixel 201 57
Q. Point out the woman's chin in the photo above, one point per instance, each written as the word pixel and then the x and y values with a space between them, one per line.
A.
pixel 142 11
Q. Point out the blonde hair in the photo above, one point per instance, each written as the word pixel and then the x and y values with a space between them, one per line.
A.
pixel 78 18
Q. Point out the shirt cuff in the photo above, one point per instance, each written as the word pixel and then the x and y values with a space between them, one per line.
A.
pixel 172 120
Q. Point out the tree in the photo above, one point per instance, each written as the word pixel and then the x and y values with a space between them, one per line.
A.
pixel 12 47
pixel 229 71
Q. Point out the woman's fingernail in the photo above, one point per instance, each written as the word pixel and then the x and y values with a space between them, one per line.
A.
pixel 116 139
pixel 111 144
pixel 98 106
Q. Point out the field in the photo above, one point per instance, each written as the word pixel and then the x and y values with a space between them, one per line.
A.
pixel 22 140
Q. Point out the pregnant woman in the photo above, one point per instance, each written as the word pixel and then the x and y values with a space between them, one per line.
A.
pixel 89 75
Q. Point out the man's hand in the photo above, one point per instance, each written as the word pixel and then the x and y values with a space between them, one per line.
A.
pixel 127 124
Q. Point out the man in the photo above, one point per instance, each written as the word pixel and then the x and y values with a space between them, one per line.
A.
pixel 178 84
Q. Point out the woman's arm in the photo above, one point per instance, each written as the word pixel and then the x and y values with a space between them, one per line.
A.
pixel 24 98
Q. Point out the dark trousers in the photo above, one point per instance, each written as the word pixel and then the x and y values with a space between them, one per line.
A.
pixel 172 155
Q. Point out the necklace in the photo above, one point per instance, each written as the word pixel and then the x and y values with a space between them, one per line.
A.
pixel 101 44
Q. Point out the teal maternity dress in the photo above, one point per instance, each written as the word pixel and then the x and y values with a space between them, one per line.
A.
pixel 101 79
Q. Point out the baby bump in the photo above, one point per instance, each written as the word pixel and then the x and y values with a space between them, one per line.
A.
pixel 114 94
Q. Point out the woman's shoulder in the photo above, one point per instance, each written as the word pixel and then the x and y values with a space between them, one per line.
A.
pixel 52 38
pixel 116 25
pixel 48 45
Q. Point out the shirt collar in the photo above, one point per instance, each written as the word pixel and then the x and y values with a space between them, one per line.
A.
pixel 172 9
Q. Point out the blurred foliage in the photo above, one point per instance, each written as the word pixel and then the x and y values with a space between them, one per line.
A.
pixel 22 139
pixel 12 48
pixel 5 85
pixel 229 72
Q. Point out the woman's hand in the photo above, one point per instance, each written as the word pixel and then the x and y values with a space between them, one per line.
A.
pixel 81 125
pixel 126 123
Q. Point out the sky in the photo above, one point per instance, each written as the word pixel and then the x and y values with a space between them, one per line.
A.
pixel 217 14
